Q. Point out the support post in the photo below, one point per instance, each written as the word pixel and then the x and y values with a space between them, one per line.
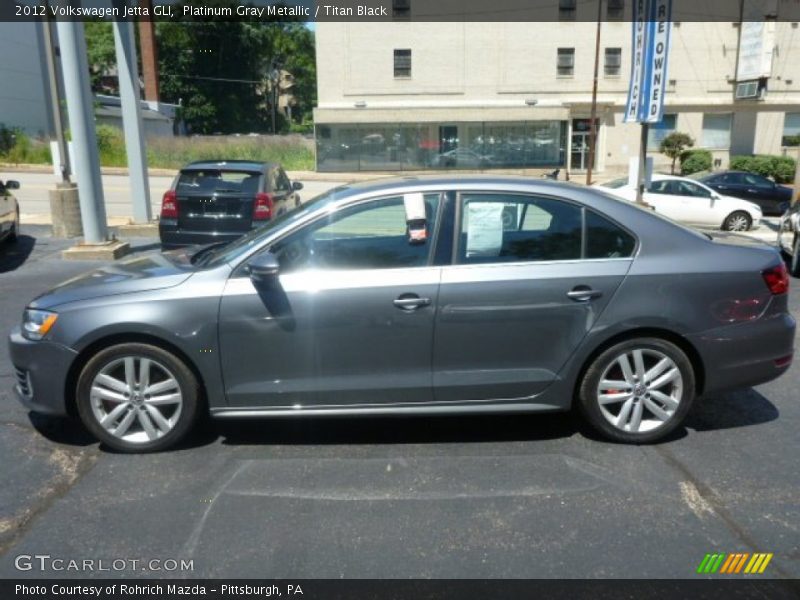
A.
pixel 55 100
pixel 80 108
pixel 128 73
pixel 641 175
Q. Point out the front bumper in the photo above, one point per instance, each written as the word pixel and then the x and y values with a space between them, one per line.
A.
pixel 40 370
pixel 746 354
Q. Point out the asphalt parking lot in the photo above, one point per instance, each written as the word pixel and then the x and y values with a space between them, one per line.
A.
pixel 490 497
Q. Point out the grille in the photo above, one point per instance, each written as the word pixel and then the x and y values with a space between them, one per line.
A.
pixel 24 382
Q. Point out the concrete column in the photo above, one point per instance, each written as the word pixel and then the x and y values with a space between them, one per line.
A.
pixel 128 73
pixel 80 108
pixel 65 211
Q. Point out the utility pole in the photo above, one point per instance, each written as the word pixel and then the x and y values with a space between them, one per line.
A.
pixel 593 118
pixel 128 73
pixel 641 176
pixel 80 107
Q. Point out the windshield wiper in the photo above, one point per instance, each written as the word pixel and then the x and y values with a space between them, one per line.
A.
pixel 205 252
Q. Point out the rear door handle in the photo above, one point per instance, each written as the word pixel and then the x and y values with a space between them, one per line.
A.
pixel 583 294
pixel 411 302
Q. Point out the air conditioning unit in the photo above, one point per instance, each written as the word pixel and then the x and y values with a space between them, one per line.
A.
pixel 748 90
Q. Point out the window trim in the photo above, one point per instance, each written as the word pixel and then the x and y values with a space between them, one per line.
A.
pixel 458 219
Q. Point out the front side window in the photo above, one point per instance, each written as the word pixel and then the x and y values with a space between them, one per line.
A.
pixel 373 235
pixel 756 181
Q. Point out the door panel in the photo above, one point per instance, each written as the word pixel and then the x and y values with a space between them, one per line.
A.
pixel 505 331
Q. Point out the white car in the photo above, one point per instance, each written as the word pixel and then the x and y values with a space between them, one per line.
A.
pixel 689 201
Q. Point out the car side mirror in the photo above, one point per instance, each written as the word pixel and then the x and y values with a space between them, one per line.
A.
pixel 297 186
pixel 263 268
pixel 12 185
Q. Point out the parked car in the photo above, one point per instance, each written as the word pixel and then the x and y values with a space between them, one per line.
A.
pixel 462 158
pixel 213 201
pixel 692 202
pixel 9 211
pixel 789 237
pixel 773 199
pixel 429 296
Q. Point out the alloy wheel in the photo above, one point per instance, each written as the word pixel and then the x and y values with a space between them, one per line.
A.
pixel 640 390
pixel 136 399
pixel 738 222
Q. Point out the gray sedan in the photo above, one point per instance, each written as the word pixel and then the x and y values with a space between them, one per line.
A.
pixel 431 296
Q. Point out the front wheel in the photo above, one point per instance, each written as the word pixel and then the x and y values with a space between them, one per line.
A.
pixel 638 390
pixel 137 397
pixel 737 221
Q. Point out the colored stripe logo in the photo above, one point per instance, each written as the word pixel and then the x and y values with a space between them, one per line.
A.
pixel 736 563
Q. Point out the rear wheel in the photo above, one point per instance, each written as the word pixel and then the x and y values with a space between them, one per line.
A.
pixel 137 397
pixel 638 390
pixel 737 221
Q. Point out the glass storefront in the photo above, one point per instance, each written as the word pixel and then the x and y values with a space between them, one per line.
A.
pixel 414 147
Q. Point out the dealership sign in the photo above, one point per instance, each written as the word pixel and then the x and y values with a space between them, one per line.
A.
pixel 650 51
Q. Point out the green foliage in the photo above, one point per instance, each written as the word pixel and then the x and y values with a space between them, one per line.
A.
pixel 100 50
pixel 694 161
pixel 219 70
pixel 779 168
pixel 293 152
pixel 111 146
pixel 674 145
pixel 306 126
pixel 17 147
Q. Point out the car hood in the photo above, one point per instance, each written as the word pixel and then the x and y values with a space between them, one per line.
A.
pixel 140 274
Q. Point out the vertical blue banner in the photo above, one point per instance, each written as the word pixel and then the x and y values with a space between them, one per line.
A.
pixel 651 28
pixel 639 27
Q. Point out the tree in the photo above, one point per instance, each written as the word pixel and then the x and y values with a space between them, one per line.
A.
pixel 674 145
pixel 100 51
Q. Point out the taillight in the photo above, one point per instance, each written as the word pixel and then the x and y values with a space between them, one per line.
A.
pixel 169 205
pixel 777 279
pixel 262 209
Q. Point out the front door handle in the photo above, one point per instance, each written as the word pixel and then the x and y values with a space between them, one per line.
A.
pixel 411 302
pixel 583 293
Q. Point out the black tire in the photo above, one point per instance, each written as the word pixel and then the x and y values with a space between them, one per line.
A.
pixel 794 259
pixel 188 388
pixel 589 403
pixel 732 220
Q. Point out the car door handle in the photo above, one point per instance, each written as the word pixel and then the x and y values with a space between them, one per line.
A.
pixel 411 302
pixel 583 294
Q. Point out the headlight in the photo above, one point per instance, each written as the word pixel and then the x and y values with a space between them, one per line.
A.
pixel 36 323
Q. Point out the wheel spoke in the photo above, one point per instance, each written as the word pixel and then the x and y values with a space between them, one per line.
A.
pixel 622 418
pixel 636 417
pixel 625 365
pixel 109 419
pixel 130 371
pixel 668 401
pixel 658 369
pixel 612 398
pixel 161 386
pixel 125 424
pixel 658 412
pixel 610 384
pixel 159 419
pixel 666 378
pixel 144 373
pixel 112 382
pixel 638 361
pixel 165 399
pixel 105 394
pixel 147 425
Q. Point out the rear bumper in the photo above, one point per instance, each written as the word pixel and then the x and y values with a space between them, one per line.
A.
pixel 40 370
pixel 174 237
pixel 746 354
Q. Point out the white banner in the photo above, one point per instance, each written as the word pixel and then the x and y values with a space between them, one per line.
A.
pixel 638 50
pixel 655 82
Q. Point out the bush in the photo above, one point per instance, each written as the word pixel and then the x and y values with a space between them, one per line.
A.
pixel 694 161
pixel 779 168
pixel 111 146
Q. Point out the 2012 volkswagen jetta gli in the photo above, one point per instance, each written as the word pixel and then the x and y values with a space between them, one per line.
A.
pixel 414 296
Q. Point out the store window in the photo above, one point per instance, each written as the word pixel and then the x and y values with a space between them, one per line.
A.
pixel 791 130
pixel 717 131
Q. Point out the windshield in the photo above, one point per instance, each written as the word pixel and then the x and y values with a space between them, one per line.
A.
pixel 241 246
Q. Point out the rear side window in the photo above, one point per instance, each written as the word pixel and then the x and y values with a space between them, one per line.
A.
pixel 218 182
pixel 514 228
pixel 605 239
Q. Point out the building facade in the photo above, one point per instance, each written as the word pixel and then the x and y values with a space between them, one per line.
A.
pixel 412 96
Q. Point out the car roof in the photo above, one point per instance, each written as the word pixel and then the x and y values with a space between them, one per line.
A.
pixel 238 165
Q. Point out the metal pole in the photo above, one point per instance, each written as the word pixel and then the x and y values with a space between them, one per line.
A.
pixel 55 100
pixel 593 118
pixel 128 73
pixel 640 176
pixel 80 108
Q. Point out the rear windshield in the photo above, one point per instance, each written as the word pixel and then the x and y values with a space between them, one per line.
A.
pixel 218 181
